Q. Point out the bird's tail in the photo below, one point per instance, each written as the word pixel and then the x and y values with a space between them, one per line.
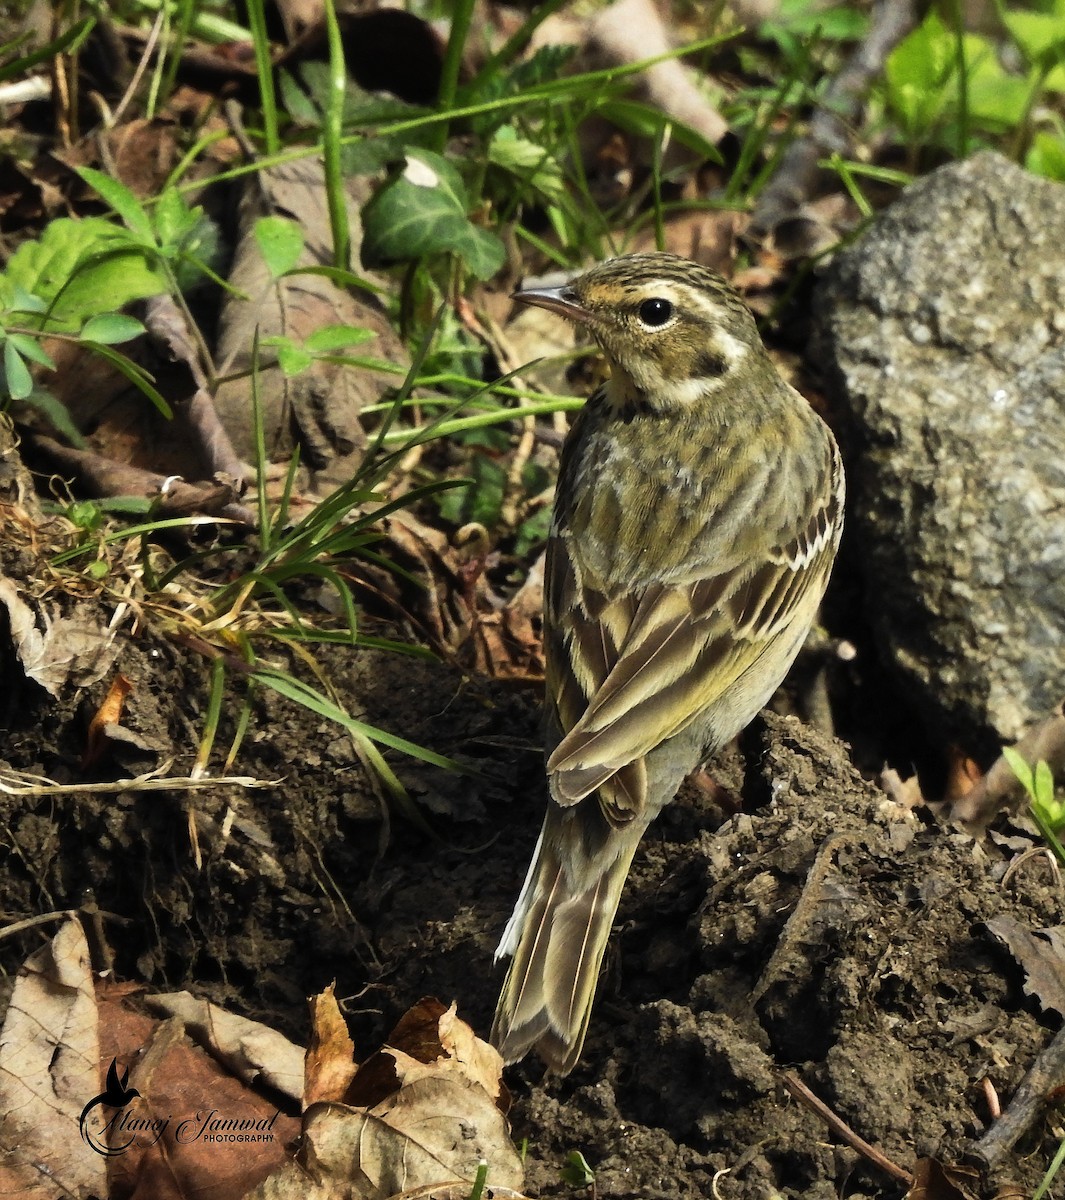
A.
pixel 557 935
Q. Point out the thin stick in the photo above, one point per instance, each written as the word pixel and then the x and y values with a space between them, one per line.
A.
pixel 841 1129
pixel 794 181
pixel 1028 1103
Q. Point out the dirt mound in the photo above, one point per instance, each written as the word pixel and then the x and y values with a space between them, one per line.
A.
pixel 819 928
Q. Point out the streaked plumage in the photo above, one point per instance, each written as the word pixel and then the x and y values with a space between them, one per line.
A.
pixel 698 511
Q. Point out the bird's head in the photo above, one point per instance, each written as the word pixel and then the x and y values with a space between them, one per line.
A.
pixel 673 331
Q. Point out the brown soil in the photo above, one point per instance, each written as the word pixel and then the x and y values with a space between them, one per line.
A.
pixel 820 928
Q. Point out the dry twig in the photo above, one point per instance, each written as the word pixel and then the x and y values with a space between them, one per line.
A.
pixel 796 178
pixel 841 1129
pixel 1027 1105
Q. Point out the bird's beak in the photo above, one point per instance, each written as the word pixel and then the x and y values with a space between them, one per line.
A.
pixel 562 300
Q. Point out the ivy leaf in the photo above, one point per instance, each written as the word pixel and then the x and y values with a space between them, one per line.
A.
pixel 76 263
pixel 422 211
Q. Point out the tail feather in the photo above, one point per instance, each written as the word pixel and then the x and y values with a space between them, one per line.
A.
pixel 558 935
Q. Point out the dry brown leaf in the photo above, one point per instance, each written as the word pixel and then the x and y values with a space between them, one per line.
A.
pixel 49 1055
pixel 319 408
pixel 329 1066
pixel 1040 955
pixel 934 1180
pixel 192 1129
pixel 458 1050
pixel 57 650
pixel 432 1120
pixel 109 713
pixel 254 1052
pixel 434 1129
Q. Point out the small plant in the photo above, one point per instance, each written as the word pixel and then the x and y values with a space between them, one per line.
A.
pixel 477 1191
pixel 1051 1172
pixel 1048 811
pixel 577 1172
pixel 949 89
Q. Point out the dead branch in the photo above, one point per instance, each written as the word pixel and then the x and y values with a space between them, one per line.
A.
pixel 1027 1106
pixel 105 477
pixel 796 178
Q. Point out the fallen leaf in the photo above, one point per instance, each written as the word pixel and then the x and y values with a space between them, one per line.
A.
pixel 330 1061
pixel 431 1130
pixel 319 408
pixel 934 1180
pixel 56 651
pixel 109 713
pixel 255 1053
pixel 435 1115
pixel 49 1055
pixel 1040 955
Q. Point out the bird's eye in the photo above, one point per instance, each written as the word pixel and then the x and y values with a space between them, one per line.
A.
pixel 655 312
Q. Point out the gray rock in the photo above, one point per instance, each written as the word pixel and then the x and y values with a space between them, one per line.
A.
pixel 942 338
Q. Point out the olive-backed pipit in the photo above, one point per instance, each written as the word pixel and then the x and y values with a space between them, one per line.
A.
pixel 698 511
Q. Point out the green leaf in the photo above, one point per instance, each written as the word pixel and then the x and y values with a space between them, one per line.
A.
pixel 173 219
pixel 81 267
pixel 533 532
pixel 17 376
pixel 111 329
pixel 30 348
pixel 293 359
pixel 24 301
pixel 1046 156
pixel 1020 768
pixel 111 279
pixel 648 122
pixel 122 200
pixel 1039 36
pixel 280 242
pixel 997 99
pixel 336 337
pixel 1044 783
pixel 576 1170
pixel 296 102
pixel 57 415
pixel 422 211
pixel 830 23
pixel 534 165
pixel 916 73
pixel 85 514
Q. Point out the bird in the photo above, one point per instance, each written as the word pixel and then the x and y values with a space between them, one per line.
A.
pixel 697 515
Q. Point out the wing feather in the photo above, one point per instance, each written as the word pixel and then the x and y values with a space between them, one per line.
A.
pixel 646 664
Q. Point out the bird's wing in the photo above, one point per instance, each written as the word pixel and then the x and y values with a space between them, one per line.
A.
pixel 627 672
